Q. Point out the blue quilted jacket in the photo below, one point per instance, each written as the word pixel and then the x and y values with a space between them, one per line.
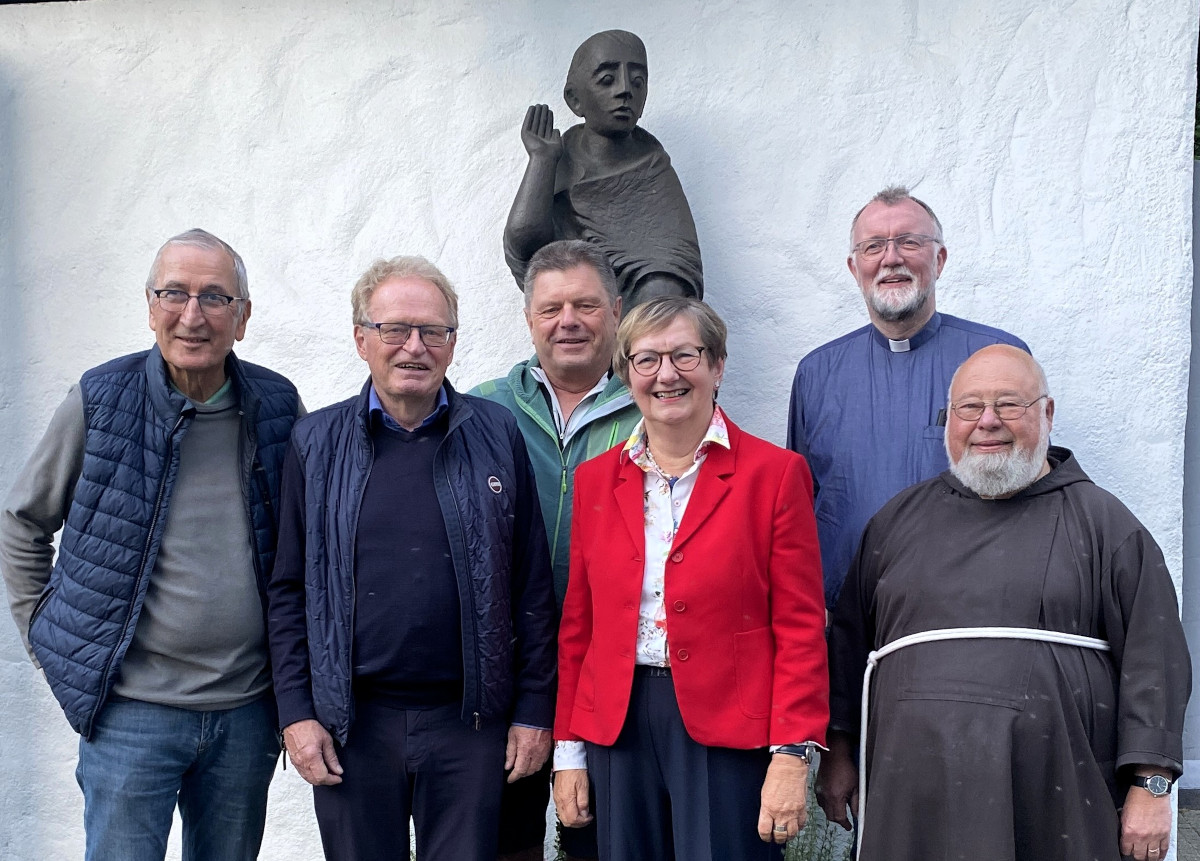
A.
pixel 488 499
pixel 84 621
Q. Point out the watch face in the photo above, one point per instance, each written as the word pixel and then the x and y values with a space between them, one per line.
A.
pixel 1158 785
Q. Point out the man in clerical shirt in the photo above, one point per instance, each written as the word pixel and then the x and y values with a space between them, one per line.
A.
pixel 606 181
pixel 867 408
pixel 569 407
pixel 1052 728
pixel 412 614
pixel 162 470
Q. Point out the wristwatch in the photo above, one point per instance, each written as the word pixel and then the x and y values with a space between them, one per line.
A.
pixel 804 751
pixel 1155 784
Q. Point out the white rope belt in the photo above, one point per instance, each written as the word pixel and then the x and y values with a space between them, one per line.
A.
pixel 933 637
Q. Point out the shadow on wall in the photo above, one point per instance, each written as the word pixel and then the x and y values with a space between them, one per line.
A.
pixel 1191 517
pixel 18 681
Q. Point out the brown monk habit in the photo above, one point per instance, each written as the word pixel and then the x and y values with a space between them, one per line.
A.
pixel 1002 749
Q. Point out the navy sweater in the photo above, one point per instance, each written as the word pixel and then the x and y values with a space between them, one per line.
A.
pixel 407 634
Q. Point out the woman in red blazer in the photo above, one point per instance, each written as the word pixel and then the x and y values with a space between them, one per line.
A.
pixel 691 651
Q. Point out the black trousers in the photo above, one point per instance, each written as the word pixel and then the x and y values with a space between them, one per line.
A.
pixel 523 818
pixel 427 764
pixel 661 795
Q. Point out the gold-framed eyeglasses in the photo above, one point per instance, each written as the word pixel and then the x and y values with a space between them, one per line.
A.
pixel 908 244
pixel 647 362
pixel 397 334
pixel 1005 409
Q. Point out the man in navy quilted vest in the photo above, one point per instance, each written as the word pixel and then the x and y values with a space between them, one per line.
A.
pixel 162 468
pixel 412 615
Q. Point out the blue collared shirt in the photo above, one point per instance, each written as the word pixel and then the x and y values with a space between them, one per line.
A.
pixel 867 414
pixel 375 406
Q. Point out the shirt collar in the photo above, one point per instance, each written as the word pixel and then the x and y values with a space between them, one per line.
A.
pixel 567 423
pixel 915 342
pixel 375 408
pixel 218 395
pixel 638 451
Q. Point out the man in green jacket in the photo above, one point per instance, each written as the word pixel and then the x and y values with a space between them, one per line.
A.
pixel 569 407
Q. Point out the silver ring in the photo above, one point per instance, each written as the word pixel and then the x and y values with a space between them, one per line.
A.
pixel 1152 851
pixel 782 829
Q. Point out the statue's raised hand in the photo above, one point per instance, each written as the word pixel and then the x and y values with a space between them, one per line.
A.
pixel 538 134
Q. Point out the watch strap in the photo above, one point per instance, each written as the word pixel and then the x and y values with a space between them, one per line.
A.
pixel 1154 784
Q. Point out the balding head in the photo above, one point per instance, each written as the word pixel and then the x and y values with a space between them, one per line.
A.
pixel 999 421
pixel 998 358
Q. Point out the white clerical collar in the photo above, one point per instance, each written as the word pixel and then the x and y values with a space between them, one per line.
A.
pixel 901 346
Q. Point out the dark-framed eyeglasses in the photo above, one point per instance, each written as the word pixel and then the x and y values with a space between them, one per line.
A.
pixel 396 334
pixel 908 244
pixel 647 362
pixel 1005 409
pixel 210 303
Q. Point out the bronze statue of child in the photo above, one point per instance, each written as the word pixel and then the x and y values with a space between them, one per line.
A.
pixel 606 180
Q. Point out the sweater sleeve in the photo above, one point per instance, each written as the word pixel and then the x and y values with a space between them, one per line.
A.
pixel 36 507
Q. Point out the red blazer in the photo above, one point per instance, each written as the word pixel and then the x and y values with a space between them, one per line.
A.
pixel 744 601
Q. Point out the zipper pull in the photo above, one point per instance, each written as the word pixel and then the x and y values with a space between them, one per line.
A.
pixel 477 721
pixel 564 480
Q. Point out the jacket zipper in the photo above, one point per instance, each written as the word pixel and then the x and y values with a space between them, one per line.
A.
pixel 369 445
pixel 162 486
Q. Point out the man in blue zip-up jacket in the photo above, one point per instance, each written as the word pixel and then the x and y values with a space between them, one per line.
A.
pixel 150 626
pixel 570 408
pixel 411 607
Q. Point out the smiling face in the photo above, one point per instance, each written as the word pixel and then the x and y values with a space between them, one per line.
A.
pixel 406 376
pixel 607 83
pixel 993 456
pixel 193 344
pixel 897 288
pixel 573 321
pixel 674 401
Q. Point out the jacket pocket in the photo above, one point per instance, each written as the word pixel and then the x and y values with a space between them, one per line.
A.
pixel 753 655
pixel 42 601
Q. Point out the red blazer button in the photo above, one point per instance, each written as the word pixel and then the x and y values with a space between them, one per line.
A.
pixel 680 606
pixel 677 556
pixel 682 654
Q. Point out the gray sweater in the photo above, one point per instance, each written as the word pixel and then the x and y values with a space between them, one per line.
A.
pixel 200 641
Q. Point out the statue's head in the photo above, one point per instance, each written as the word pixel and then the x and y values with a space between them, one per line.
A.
pixel 606 84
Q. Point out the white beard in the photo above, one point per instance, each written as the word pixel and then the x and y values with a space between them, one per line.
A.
pixel 894 304
pixel 999 475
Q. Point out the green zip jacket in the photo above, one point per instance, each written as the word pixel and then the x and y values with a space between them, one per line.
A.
pixel 610 420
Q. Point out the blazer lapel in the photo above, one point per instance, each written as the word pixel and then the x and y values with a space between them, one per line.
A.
pixel 629 494
pixel 711 487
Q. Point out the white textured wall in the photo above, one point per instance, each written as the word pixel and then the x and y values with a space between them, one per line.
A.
pixel 1053 139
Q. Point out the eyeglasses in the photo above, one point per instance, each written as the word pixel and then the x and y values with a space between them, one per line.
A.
pixel 210 304
pixel 397 334
pixel 908 244
pixel 647 362
pixel 972 411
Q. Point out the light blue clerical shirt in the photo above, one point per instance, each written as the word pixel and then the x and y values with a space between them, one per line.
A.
pixel 867 414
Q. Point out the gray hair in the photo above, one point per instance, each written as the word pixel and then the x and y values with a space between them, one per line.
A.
pixel 891 196
pixel 656 315
pixel 567 254
pixel 400 267
pixel 197 238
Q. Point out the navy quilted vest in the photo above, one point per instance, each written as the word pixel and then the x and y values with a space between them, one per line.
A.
pixel 85 620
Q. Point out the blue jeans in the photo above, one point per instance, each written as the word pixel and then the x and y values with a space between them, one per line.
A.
pixel 142 758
